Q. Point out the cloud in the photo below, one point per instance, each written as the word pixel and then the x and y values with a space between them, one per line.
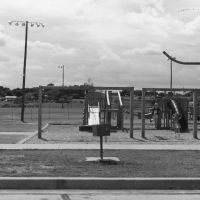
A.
pixel 36 67
pixel 150 49
pixel 2 36
pixel 51 49
pixel 191 27
pixel 106 53
pixel 4 58
pixel 112 42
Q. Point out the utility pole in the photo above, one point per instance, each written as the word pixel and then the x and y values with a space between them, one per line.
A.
pixel 24 23
pixel 24 72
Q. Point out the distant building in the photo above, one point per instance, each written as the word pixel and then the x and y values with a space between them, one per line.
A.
pixel 10 98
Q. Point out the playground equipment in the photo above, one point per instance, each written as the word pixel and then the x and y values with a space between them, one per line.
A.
pixel 179 107
pixel 190 111
pixel 172 110
pixel 95 102
pixel 167 112
pixel 103 108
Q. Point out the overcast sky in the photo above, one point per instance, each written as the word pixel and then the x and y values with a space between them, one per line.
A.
pixel 112 42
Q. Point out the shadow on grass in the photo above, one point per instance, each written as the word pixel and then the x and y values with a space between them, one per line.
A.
pixel 149 139
pixel 44 139
pixel 197 138
pixel 139 140
pixel 161 138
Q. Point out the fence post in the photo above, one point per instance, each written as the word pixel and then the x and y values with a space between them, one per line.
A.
pixel 143 113
pixel 40 113
pixel 194 114
pixel 131 111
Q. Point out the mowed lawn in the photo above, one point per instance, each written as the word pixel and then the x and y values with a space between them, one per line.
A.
pixel 17 126
pixel 52 112
pixel 12 131
pixel 11 139
pixel 71 163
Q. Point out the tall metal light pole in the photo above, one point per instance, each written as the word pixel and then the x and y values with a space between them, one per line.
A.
pixel 63 74
pixel 171 72
pixel 63 77
pixel 25 23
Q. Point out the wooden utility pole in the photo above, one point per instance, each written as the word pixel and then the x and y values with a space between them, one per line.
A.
pixel 143 114
pixel 40 113
pixel 194 114
pixel 24 72
pixel 131 112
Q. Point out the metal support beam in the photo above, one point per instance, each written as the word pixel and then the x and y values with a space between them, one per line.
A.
pixel 143 113
pixel 171 75
pixel 40 113
pixel 195 115
pixel 87 88
pixel 101 148
pixel 131 112
pixel 173 89
pixel 178 61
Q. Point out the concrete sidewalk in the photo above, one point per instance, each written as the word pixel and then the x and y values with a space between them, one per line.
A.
pixel 114 146
pixel 16 133
pixel 99 194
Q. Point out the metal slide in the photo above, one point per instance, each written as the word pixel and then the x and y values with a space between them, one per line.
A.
pixel 175 107
pixel 119 97
pixel 107 97
pixel 176 110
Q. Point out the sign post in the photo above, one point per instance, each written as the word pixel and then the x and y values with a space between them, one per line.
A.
pixel 101 130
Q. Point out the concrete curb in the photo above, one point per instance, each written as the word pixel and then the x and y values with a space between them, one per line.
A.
pixel 95 146
pixel 99 183
pixel 32 135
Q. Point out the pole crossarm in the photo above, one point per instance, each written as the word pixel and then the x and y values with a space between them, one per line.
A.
pixel 178 61
pixel 23 23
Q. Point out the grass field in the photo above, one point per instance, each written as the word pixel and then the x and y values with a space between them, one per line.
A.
pixel 12 131
pixel 17 126
pixel 11 139
pixel 71 163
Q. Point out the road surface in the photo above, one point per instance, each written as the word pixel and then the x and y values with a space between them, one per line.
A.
pixel 99 195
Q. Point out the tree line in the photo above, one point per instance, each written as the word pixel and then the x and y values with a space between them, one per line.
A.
pixel 63 94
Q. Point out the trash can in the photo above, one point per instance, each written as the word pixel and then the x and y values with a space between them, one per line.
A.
pixel 101 130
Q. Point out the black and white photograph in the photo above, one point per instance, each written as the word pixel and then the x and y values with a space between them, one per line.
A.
pixel 100 100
